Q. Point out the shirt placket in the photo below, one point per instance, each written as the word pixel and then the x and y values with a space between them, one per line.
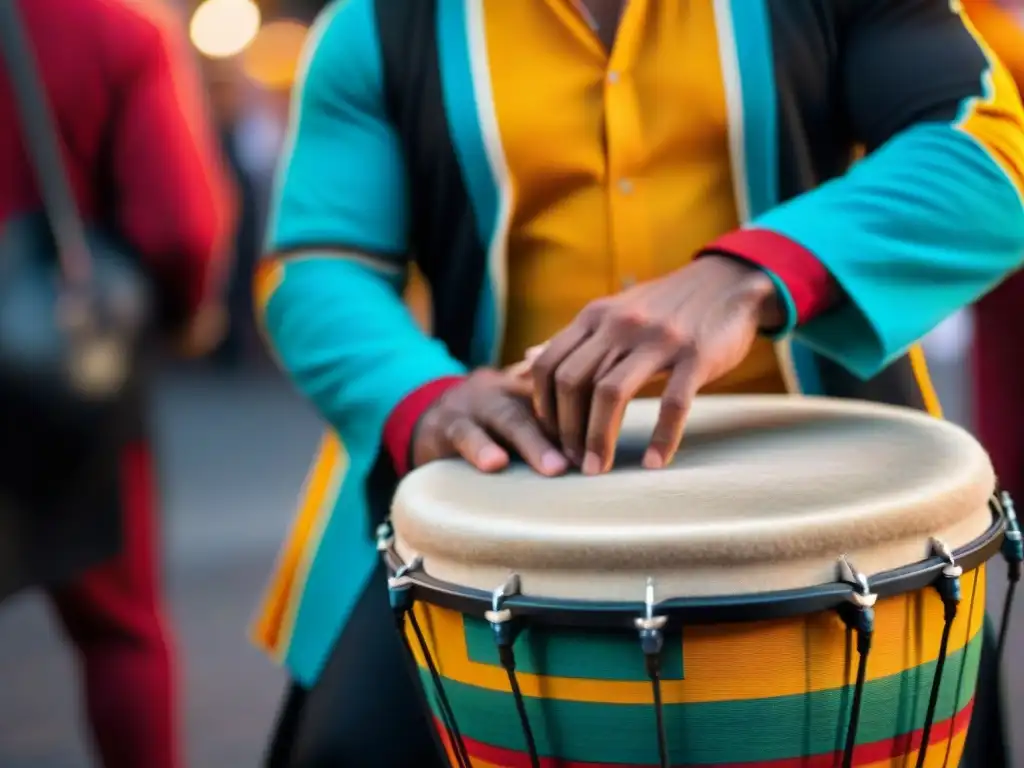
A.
pixel 631 255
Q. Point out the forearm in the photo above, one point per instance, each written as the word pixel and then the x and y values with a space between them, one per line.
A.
pixel 339 329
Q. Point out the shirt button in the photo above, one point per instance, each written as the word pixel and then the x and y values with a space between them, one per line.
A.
pixel 625 186
pixel 613 77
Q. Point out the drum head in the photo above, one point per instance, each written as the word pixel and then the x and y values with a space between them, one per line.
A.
pixel 765 494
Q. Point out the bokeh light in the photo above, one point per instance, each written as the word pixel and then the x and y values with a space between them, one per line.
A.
pixel 273 57
pixel 223 28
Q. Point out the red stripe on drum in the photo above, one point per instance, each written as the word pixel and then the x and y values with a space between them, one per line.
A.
pixel 879 754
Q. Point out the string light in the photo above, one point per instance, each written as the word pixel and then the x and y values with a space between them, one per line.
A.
pixel 223 28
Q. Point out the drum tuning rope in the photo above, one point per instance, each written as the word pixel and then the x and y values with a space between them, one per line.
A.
pixel 1013 553
pixel 652 641
pixel 505 631
pixel 400 596
pixel 859 615
pixel 948 587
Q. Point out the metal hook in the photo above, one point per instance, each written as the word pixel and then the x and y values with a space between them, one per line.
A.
pixel 1008 508
pixel 400 587
pixel 498 614
pixel 649 621
pixel 951 570
pixel 385 536
pixel 401 577
pixel 1012 534
pixel 861 596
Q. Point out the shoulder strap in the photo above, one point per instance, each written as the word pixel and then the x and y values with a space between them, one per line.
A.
pixel 44 145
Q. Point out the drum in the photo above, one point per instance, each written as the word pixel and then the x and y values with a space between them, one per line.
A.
pixel 803 588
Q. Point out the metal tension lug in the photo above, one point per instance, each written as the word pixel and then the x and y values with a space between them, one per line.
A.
pixel 1013 541
pixel 400 585
pixel 861 595
pixel 949 585
pixel 385 536
pixel 859 613
pixel 649 626
pixel 500 617
pixel 951 570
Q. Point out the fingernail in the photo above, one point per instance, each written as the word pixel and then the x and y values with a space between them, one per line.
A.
pixel 490 456
pixel 573 456
pixel 553 463
pixel 591 464
pixel 653 460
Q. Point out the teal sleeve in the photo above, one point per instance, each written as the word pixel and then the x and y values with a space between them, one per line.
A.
pixel 334 313
pixel 341 181
pixel 921 228
pixel 932 218
pixel 341 331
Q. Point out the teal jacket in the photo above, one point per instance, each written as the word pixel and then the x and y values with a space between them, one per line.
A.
pixel 387 160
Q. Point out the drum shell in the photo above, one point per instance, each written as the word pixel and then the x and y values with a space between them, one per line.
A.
pixel 736 694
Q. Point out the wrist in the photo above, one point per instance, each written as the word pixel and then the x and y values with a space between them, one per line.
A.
pixel 752 288
pixel 400 429
pixel 769 306
pixel 802 283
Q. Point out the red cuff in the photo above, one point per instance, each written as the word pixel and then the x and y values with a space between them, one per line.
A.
pixel 401 424
pixel 811 287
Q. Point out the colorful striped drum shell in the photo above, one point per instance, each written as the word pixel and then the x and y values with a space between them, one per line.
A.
pixel 765 497
pixel 769 694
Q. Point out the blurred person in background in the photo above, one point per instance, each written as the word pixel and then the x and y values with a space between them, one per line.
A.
pixel 228 108
pixel 143 164
pixel 999 317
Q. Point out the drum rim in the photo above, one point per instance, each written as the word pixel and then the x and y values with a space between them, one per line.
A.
pixel 716 609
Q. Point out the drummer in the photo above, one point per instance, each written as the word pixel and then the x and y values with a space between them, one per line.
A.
pixel 651 190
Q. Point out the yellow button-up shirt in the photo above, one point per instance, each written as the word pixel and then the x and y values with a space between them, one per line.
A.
pixel 619 161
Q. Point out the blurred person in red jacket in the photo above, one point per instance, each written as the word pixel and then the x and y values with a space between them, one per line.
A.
pixel 999 316
pixel 142 162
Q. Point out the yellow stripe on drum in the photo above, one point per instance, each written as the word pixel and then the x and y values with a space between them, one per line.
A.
pixel 732 662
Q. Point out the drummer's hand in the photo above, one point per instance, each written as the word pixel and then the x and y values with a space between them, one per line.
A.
pixel 697 324
pixel 475 419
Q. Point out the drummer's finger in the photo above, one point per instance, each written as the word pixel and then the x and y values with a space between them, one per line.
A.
pixel 544 367
pixel 611 395
pixel 512 421
pixel 472 442
pixel 531 354
pixel 574 381
pixel 519 386
pixel 676 401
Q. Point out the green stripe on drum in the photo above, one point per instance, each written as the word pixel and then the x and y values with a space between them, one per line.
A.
pixel 712 733
pixel 574 653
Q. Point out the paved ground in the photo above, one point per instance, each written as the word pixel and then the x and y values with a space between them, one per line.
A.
pixel 234 453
